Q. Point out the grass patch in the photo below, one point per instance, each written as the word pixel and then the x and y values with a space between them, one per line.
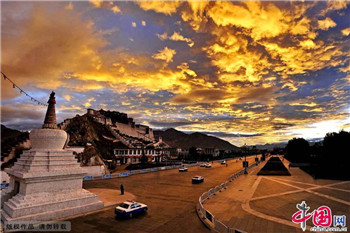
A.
pixel 274 167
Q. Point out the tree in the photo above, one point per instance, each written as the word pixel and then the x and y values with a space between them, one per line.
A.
pixel 336 148
pixel 298 150
pixel 277 151
pixel 193 153
pixel 316 151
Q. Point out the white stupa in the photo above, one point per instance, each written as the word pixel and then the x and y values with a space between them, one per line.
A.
pixel 46 181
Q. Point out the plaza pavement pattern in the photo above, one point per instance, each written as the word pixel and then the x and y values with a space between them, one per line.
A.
pixel 266 204
pixel 170 196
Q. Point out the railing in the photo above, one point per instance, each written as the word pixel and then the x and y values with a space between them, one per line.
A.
pixel 219 226
pixel 134 172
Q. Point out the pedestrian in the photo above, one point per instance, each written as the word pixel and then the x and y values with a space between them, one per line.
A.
pixel 226 164
pixel 121 189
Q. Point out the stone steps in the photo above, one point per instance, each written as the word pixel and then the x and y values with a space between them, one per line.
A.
pixel 48 163
pixel 43 162
pixel 19 208
pixel 45 167
pixel 56 214
pixel 48 155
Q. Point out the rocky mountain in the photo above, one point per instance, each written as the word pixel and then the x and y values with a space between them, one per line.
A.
pixel 7 133
pixel 178 139
pixel 13 142
pixel 95 137
pixel 11 138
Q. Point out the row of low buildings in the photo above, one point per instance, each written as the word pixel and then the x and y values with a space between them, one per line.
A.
pixel 207 151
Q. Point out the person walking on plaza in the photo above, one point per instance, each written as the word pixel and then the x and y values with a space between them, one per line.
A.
pixel 121 189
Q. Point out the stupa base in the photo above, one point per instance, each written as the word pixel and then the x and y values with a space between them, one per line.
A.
pixel 44 207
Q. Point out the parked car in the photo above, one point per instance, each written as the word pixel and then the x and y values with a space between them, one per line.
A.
pixel 208 165
pixel 197 179
pixel 183 169
pixel 223 162
pixel 4 185
pixel 130 208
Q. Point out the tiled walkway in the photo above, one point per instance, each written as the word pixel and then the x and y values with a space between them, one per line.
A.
pixel 266 203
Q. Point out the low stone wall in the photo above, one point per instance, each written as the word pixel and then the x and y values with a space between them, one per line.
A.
pixel 75 149
pixel 94 170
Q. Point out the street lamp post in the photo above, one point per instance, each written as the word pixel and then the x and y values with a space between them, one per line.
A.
pixel 245 151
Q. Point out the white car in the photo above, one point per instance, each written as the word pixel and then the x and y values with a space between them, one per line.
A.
pixel 223 162
pixel 208 165
pixel 202 165
pixel 183 169
pixel 130 208
pixel 197 179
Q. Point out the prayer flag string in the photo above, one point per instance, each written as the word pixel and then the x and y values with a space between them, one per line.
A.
pixel 21 91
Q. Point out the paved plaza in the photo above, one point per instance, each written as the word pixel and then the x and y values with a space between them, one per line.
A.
pixel 250 203
pixel 266 203
pixel 170 196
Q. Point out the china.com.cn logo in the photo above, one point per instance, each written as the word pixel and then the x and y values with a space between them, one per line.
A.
pixel 321 218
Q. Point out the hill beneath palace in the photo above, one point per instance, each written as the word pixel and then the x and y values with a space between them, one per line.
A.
pixel 178 139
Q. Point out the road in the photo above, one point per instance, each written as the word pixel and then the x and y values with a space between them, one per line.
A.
pixel 170 196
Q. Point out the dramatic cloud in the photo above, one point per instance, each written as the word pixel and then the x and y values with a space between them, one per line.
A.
pixel 171 124
pixel 165 7
pixel 30 57
pixel 116 10
pixel 230 135
pixel 326 24
pixel 176 37
pixel 346 31
pixel 250 72
pixel 166 54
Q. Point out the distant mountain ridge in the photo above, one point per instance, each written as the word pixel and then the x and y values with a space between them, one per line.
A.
pixel 270 146
pixel 178 139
